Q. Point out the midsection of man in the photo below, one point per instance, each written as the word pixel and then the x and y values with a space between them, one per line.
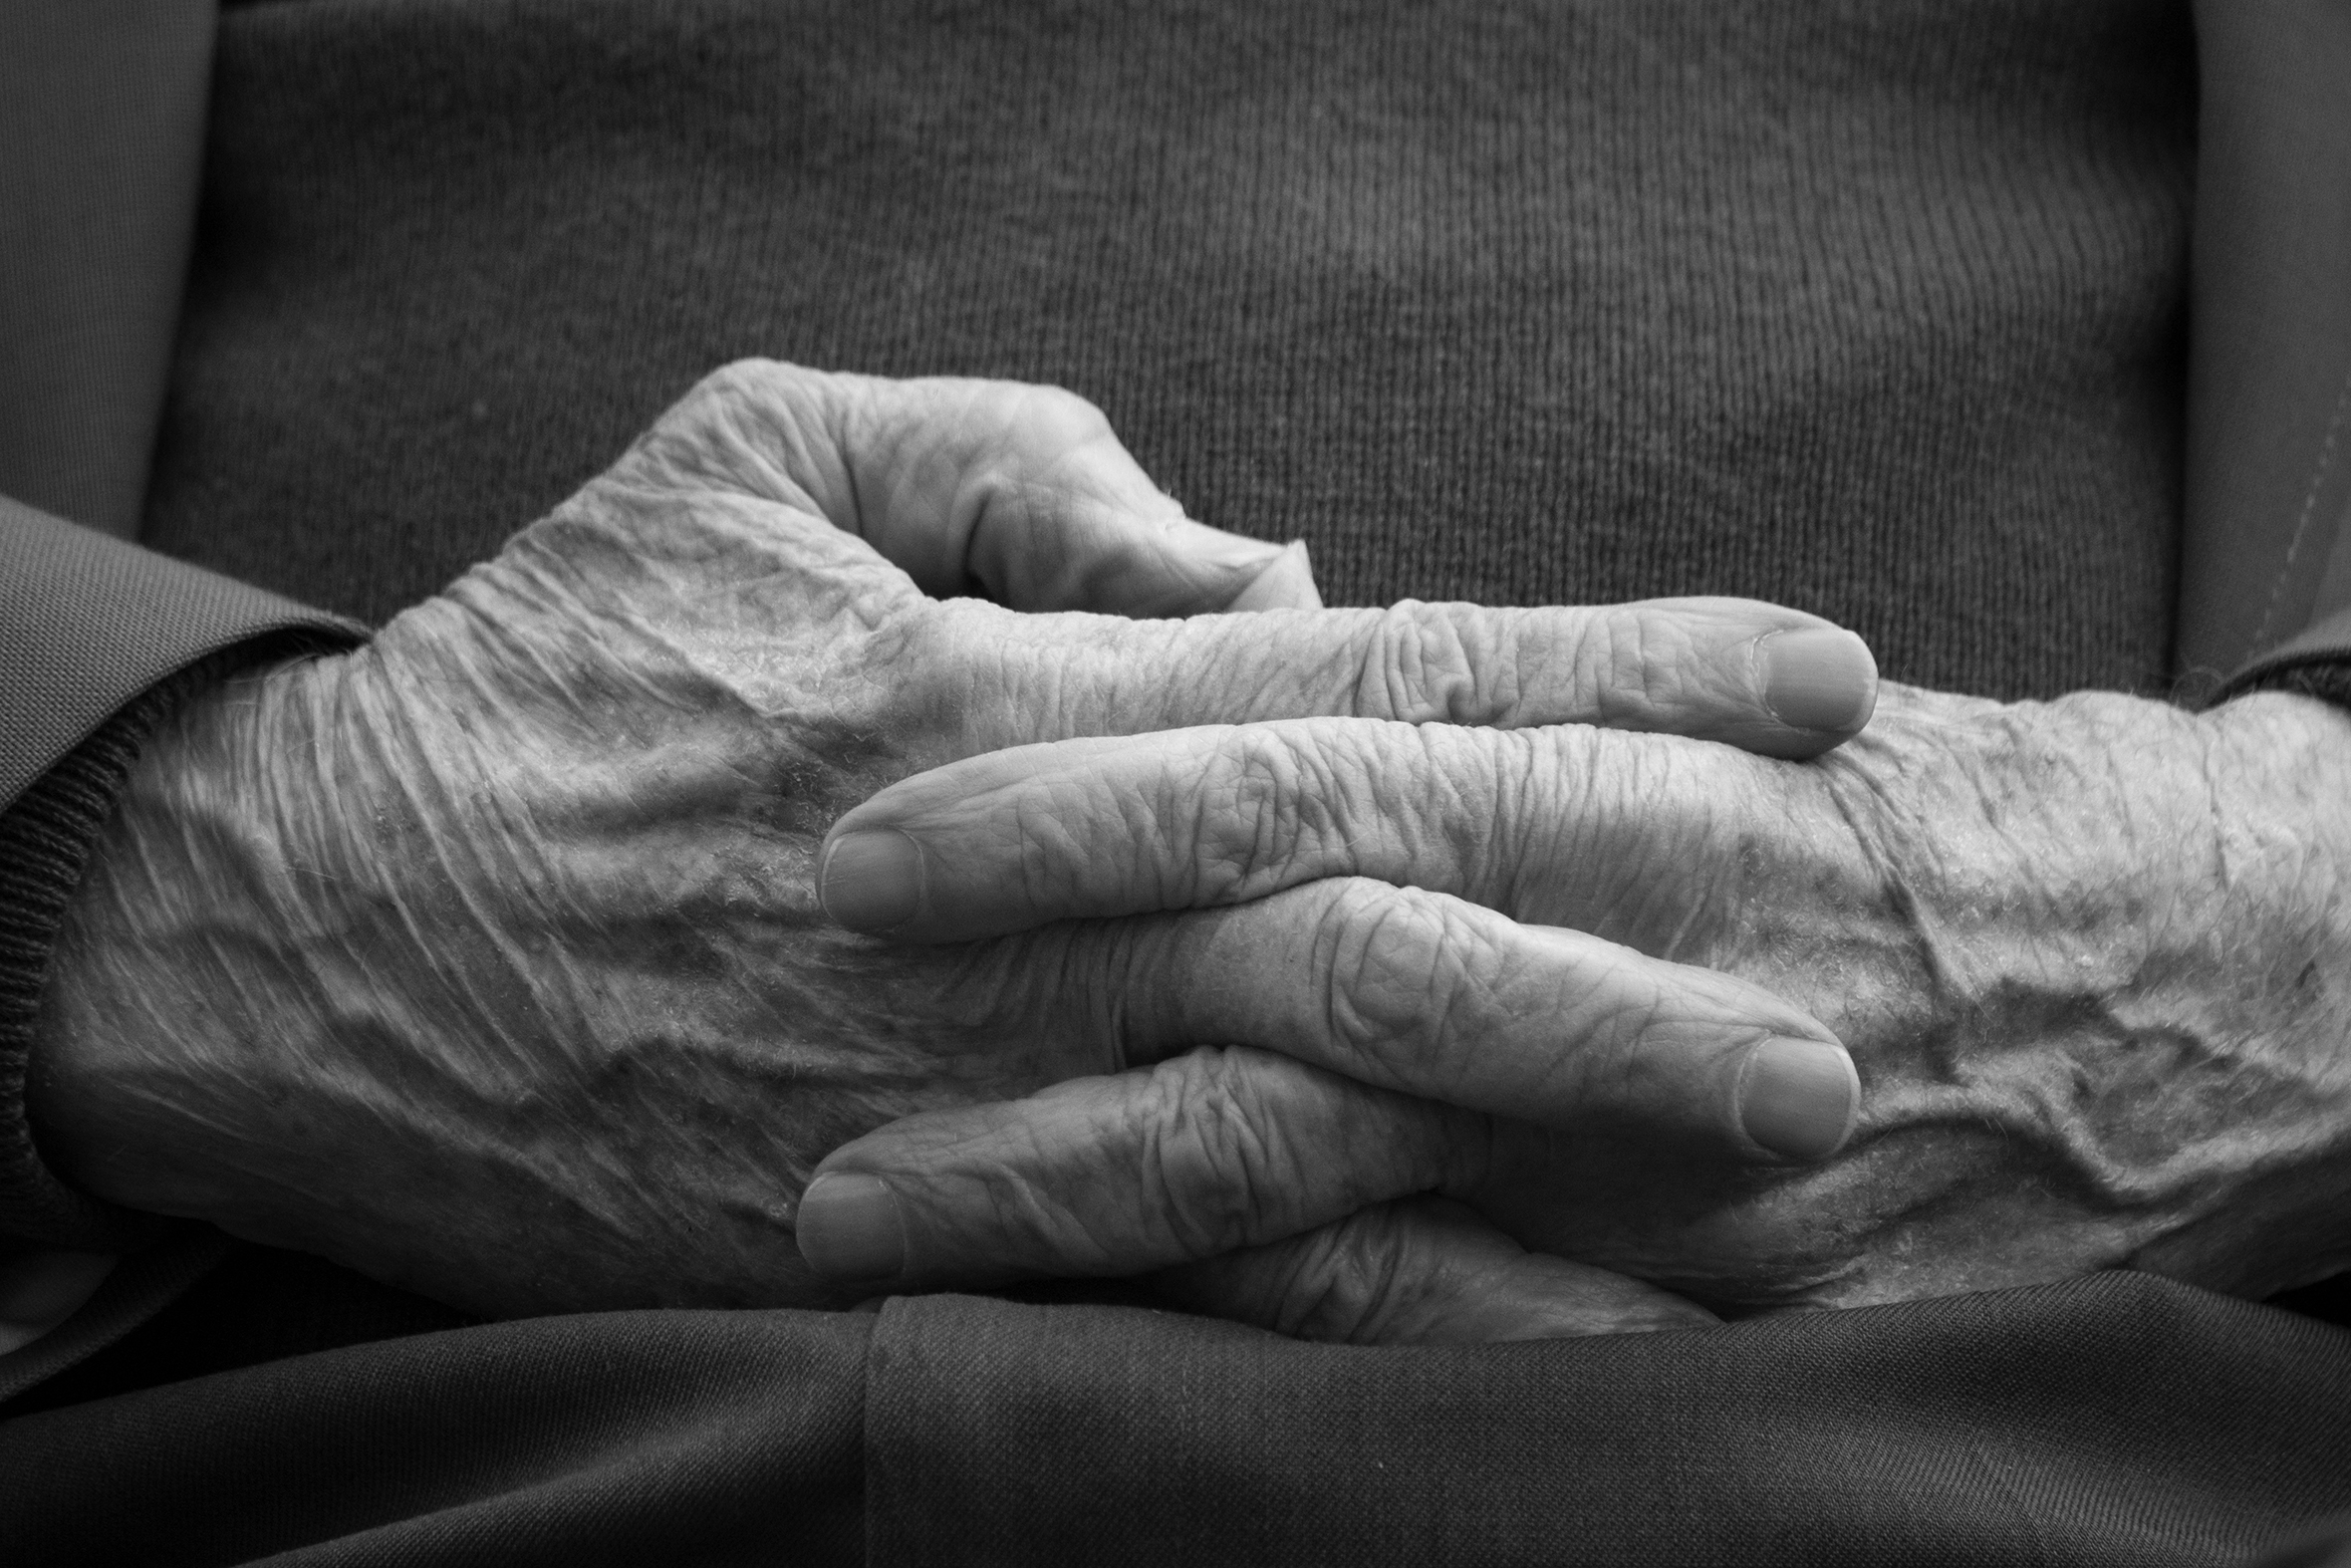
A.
pixel 1877 314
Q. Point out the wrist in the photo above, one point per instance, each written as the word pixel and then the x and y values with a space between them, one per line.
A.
pixel 167 979
pixel 2277 1019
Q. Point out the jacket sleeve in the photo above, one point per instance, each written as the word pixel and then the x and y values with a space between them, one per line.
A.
pixel 98 642
pixel 2265 563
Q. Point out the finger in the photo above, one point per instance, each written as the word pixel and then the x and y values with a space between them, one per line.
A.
pixel 1759 676
pixel 1015 831
pixel 1189 818
pixel 1223 1147
pixel 1112 1175
pixel 1418 1272
pixel 1019 492
pixel 1431 996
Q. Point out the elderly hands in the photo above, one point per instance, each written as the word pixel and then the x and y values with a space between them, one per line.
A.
pixel 487 959
pixel 2087 955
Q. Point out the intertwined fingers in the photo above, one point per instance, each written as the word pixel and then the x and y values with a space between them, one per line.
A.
pixel 1378 1031
pixel 1094 827
pixel 1431 996
pixel 1044 818
pixel 1210 1151
pixel 1265 1189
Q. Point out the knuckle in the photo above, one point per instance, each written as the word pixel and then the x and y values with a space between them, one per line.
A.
pixel 1405 981
pixel 1212 1159
pixel 1061 415
pixel 1026 436
pixel 740 379
pixel 1268 802
pixel 983 674
pixel 1642 668
pixel 740 389
pixel 1344 1282
pixel 1416 667
pixel 1443 663
pixel 709 435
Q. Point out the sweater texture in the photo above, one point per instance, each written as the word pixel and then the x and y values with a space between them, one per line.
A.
pixel 1875 309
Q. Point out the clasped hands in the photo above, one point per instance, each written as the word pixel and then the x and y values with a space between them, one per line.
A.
pixel 1429 974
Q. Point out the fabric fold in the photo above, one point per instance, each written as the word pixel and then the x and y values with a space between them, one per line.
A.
pixel 2118 1419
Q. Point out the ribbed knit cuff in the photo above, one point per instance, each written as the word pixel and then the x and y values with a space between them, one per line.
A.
pixel 2314 662
pixel 45 843
pixel 2326 677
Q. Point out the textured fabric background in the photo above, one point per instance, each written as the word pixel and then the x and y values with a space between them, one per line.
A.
pixel 1873 307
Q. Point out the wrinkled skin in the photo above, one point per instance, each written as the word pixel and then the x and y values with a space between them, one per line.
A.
pixel 2088 956
pixel 486 958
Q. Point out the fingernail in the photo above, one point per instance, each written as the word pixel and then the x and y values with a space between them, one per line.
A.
pixel 1241 553
pixel 872 880
pixel 850 1227
pixel 1797 1097
pixel 1819 678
